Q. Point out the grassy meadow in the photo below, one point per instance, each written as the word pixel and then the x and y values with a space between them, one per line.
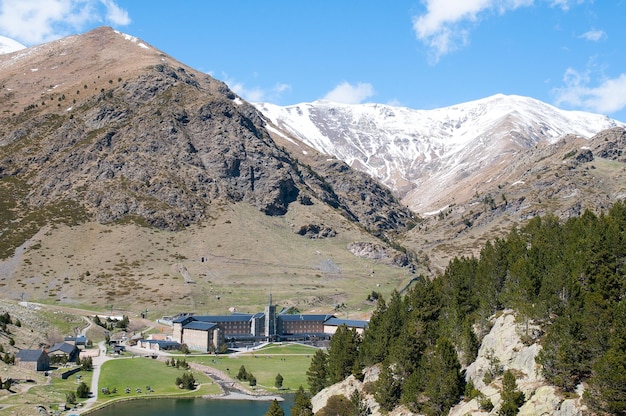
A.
pixel 139 373
pixel 290 360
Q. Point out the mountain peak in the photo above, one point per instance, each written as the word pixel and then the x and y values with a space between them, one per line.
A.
pixel 8 45
pixel 428 156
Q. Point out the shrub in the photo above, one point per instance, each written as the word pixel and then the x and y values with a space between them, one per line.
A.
pixel 82 391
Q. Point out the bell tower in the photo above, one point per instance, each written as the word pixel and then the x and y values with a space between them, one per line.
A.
pixel 270 320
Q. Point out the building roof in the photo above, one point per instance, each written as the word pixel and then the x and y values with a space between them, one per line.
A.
pixel 182 318
pixel 350 323
pixel 200 326
pixel 79 339
pixel 161 343
pixel 224 318
pixel 63 347
pixel 308 318
pixel 29 355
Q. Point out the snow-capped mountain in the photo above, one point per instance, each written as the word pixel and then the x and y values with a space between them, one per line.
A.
pixel 8 45
pixel 430 156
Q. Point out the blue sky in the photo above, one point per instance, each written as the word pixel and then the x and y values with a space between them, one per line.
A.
pixel 420 54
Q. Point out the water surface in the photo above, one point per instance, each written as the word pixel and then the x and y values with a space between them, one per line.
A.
pixel 191 407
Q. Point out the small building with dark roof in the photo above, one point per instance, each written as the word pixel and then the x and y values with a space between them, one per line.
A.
pixel 79 340
pixel 63 349
pixel 158 345
pixel 36 360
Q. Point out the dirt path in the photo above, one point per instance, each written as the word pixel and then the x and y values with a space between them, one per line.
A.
pixel 97 365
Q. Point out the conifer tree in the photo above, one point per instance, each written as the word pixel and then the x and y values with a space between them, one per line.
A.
pixel 317 372
pixel 359 407
pixel 275 409
pixel 242 375
pixel 512 398
pixel 388 389
pixel 444 385
pixel 342 353
pixel 301 404
pixel 278 381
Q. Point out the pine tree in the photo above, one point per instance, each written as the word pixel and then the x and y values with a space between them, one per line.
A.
pixel 275 409
pixel 342 353
pixel 302 404
pixel 388 389
pixel 359 407
pixel 512 398
pixel 242 375
pixel 317 372
pixel 278 381
pixel 444 385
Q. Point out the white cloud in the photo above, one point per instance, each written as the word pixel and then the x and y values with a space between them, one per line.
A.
pixel 446 24
pixel 115 14
pixel 37 21
pixel 593 35
pixel 256 94
pixel 347 93
pixel 607 97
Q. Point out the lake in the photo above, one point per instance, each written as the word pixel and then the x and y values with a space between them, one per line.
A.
pixel 191 407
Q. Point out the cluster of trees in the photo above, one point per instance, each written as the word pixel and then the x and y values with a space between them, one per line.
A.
pixel 8 358
pixel 5 319
pixel 86 363
pixel 180 363
pixel 111 324
pixel 244 375
pixel 569 277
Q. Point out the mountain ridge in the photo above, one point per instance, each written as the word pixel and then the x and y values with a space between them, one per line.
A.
pixel 412 151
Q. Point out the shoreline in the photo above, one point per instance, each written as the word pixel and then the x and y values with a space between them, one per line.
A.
pixel 229 396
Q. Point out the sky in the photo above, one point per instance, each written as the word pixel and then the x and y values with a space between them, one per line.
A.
pixel 420 54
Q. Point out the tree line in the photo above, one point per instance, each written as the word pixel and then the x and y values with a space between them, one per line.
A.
pixel 568 277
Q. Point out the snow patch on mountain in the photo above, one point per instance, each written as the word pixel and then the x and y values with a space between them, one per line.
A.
pixel 426 151
pixel 8 45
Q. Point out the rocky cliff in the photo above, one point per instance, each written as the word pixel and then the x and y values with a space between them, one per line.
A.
pixel 501 349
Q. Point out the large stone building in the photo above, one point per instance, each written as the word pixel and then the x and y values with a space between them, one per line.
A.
pixel 209 332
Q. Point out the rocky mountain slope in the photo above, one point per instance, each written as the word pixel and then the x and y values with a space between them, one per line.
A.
pixel 102 128
pixel 121 129
pixel 471 171
pixel 431 158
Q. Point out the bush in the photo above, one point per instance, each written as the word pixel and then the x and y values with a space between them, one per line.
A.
pixel 82 391
pixel 187 381
pixel 70 397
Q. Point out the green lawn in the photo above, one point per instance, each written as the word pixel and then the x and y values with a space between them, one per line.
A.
pixel 273 349
pixel 290 360
pixel 138 373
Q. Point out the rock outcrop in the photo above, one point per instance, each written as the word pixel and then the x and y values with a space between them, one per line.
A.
pixel 502 349
pixel 378 252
